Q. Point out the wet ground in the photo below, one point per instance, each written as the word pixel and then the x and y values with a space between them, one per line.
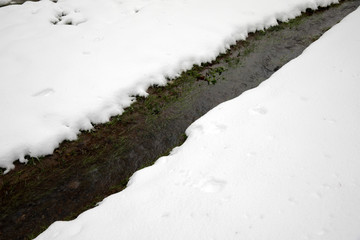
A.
pixel 83 172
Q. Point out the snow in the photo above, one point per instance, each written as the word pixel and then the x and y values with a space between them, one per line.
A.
pixel 4 2
pixel 280 162
pixel 69 64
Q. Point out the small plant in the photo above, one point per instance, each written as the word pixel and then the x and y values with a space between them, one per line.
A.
pixel 276 28
pixel 248 50
pixel 211 75
pixel 33 161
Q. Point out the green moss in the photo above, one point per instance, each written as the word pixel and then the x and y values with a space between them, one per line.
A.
pixel 292 23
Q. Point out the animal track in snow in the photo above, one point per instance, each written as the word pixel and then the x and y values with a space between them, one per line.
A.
pixel 204 184
pixel 44 93
pixel 212 185
pixel 329 120
pixel 259 110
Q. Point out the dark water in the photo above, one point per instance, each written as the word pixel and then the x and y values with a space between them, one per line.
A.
pixel 78 174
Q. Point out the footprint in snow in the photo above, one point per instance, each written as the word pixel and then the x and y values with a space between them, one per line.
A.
pixel 213 185
pixel 259 110
pixel 44 93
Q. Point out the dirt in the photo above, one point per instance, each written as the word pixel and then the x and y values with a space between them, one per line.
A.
pixel 81 173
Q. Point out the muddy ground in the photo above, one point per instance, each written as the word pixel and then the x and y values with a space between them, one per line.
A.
pixel 81 173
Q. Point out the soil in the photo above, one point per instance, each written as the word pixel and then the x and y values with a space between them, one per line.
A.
pixel 81 173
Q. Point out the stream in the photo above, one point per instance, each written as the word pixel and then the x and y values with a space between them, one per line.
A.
pixel 81 173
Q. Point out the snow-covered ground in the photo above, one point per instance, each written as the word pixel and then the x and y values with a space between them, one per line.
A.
pixel 68 64
pixel 4 2
pixel 279 162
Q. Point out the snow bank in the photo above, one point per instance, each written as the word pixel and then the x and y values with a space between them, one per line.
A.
pixel 68 64
pixel 4 2
pixel 279 162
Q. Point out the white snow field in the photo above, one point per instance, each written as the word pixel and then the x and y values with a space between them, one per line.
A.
pixel 66 65
pixel 280 162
